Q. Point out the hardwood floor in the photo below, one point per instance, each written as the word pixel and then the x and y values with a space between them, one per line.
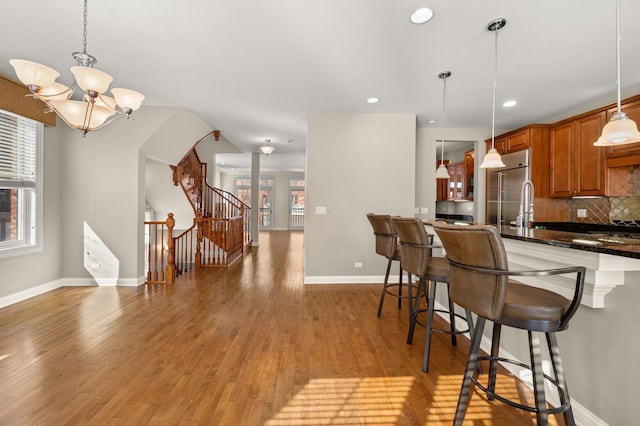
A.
pixel 247 345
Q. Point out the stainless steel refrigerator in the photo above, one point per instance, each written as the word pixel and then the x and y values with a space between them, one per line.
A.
pixel 503 188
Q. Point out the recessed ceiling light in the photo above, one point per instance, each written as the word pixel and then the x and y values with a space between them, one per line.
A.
pixel 422 15
pixel 432 121
pixel 373 100
pixel 508 104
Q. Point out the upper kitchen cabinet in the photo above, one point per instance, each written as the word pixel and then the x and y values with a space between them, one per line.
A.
pixel 535 137
pixel 625 155
pixel 577 167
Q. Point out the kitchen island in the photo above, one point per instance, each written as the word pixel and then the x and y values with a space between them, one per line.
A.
pixel 607 253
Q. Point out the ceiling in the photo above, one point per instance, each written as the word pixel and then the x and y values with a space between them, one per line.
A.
pixel 255 69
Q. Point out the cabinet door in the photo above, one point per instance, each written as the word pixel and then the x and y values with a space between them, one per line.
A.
pixel 591 164
pixel 518 141
pixel 562 160
pixel 625 155
pixel 469 162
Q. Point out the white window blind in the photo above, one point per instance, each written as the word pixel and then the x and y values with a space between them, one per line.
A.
pixel 18 150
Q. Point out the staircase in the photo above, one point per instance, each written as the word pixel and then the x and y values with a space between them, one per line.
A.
pixel 220 232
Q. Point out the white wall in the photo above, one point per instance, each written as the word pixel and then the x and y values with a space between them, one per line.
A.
pixel 104 186
pixel 20 275
pixel 356 164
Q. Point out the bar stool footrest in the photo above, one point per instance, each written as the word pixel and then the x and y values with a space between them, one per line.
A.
pixel 554 410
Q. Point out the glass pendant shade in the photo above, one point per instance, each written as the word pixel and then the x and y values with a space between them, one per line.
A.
pixel 91 79
pixel 620 130
pixel 34 74
pixel 267 149
pixel 127 98
pixel 82 115
pixel 104 101
pixel 492 160
pixel 55 92
pixel 442 172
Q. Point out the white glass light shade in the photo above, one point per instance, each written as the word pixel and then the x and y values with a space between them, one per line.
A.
pixel 34 74
pixel 267 149
pixel 492 160
pixel 55 92
pixel 104 101
pixel 621 130
pixel 127 98
pixel 74 113
pixel 91 79
pixel 442 172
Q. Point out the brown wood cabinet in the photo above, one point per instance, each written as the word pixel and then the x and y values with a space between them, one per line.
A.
pixel 577 168
pixel 625 155
pixel 469 168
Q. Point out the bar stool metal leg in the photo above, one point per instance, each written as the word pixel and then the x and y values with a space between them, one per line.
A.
pixel 493 363
pixel 467 382
pixel 542 415
pixel 558 371
pixel 384 287
pixel 427 339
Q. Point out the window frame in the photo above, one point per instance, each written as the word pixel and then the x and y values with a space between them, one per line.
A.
pixel 31 210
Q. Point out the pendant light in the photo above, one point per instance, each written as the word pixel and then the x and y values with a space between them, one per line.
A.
pixel 620 130
pixel 493 160
pixel 442 172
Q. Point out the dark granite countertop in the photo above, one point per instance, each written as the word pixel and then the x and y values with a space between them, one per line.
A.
pixel 599 238
pixel 615 243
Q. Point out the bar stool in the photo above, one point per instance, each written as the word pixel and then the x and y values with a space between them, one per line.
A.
pixel 480 283
pixel 387 246
pixel 416 246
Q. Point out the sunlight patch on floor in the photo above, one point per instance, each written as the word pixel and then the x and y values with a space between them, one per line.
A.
pixel 367 400
pixel 480 410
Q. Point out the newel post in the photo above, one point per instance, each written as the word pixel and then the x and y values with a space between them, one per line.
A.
pixel 170 270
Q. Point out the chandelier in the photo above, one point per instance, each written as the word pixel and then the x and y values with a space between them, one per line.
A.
pixel 95 109
pixel 267 148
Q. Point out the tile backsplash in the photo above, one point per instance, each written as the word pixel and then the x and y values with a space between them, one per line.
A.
pixel 611 210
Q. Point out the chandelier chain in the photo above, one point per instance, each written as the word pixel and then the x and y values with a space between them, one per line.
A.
pixel 84 31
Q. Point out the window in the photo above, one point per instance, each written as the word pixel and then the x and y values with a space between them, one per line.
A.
pixel 296 209
pixel 265 212
pixel 20 185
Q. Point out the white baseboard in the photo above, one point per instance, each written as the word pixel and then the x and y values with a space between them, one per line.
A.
pixel 29 293
pixel 349 279
pixel 65 282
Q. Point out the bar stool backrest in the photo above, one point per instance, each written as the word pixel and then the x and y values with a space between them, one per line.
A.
pixel 386 238
pixel 474 248
pixel 415 244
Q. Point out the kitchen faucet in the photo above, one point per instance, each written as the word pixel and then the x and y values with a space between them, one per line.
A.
pixel 525 217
